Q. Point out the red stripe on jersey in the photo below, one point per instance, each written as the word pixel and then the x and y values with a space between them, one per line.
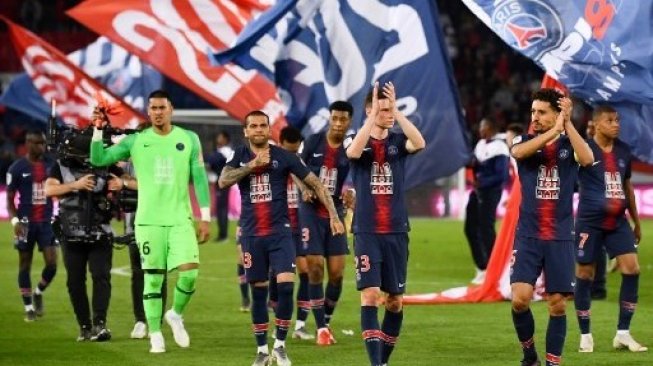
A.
pixel 547 207
pixel 612 204
pixel 383 212
pixel 330 162
pixel 38 179
pixel 293 215
pixel 262 213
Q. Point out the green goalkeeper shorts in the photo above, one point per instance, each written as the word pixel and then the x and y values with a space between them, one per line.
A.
pixel 167 247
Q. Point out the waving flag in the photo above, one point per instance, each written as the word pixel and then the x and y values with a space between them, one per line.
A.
pixel 57 78
pixel 176 37
pixel 319 51
pixel 600 49
pixel 123 74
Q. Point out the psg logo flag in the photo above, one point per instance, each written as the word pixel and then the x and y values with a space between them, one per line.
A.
pixel 317 52
pixel 600 49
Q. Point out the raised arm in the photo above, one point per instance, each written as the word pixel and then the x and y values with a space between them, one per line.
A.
pixel 526 149
pixel 583 152
pixel 355 149
pixel 415 140
pixel 323 195
pixel 101 156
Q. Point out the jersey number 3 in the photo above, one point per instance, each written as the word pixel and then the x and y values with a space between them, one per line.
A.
pixel 364 262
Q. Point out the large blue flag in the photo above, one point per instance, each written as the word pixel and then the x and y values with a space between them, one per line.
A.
pixel 602 50
pixel 320 51
pixel 122 73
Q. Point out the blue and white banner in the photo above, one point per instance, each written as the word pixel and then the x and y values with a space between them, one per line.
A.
pixel 120 72
pixel 602 50
pixel 320 51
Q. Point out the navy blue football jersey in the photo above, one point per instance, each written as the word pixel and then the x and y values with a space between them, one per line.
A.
pixel 330 165
pixel 603 200
pixel 28 179
pixel 264 195
pixel 547 187
pixel 378 177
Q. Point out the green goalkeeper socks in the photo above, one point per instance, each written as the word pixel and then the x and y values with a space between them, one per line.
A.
pixel 152 301
pixel 184 289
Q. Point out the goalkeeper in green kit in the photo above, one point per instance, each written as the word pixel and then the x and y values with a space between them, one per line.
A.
pixel 166 158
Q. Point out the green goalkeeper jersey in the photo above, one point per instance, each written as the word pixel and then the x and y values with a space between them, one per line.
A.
pixel 165 166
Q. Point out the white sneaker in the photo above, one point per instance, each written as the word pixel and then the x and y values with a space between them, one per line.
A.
pixel 280 356
pixel 262 359
pixel 139 331
pixel 621 341
pixel 480 277
pixel 586 343
pixel 176 322
pixel 302 334
pixel 157 343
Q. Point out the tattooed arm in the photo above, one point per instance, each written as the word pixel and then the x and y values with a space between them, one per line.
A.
pixel 323 195
pixel 231 175
pixel 307 194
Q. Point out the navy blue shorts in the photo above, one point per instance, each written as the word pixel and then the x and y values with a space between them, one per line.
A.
pixel 381 261
pixel 265 255
pixel 300 247
pixel 39 233
pixel 316 233
pixel 590 239
pixel 556 257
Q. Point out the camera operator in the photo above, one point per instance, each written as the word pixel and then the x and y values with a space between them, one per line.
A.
pixel 82 227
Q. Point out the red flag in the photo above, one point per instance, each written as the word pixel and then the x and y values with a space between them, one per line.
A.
pixel 177 37
pixel 551 83
pixel 56 78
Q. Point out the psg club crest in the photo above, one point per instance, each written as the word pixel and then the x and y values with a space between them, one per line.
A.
pixel 563 154
pixel 530 26
pixel 392 150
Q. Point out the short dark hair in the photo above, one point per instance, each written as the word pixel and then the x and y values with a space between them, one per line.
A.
pixel 160 94
pixel 257 113
pixel 491 123
pixel 602 108
pixel 516 128
pixel 548 95
pixel 290 134
pixel 34 133
pixel 341 105
pixel 224 134
pixel 379 95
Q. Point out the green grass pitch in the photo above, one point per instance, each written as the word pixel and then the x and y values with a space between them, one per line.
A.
pixel 472 334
